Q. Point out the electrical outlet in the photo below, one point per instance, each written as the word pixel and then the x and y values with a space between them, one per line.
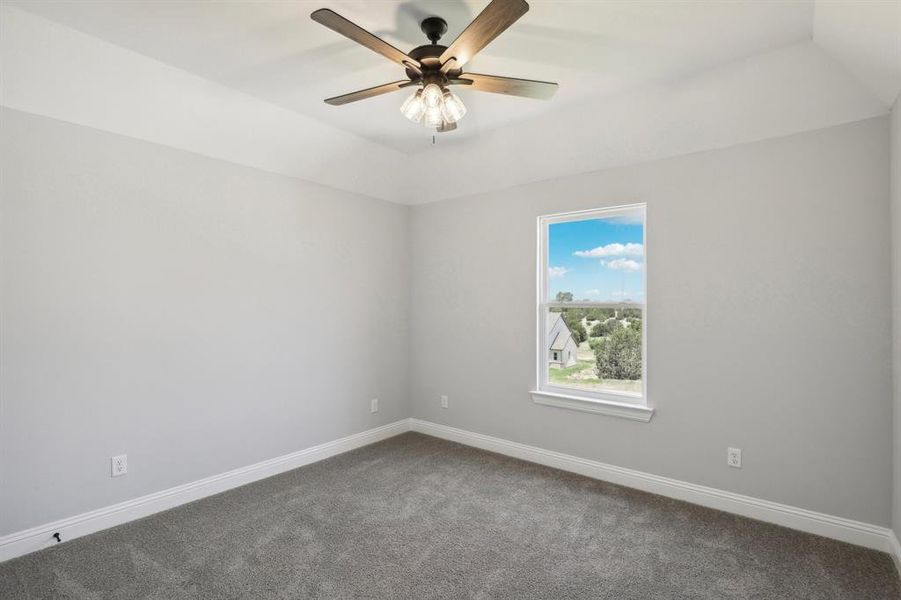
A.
pixel 119 465
pixel 374 405
pixel 444 402
pixel 733 457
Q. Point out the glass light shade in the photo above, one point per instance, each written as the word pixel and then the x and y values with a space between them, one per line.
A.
pixel 413 107
pixel 431 95
pixel 433 117
pixel 452 108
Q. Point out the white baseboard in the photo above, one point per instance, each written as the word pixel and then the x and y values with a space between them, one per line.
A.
pixel 895 550
pixel 846 530
pixel 36 538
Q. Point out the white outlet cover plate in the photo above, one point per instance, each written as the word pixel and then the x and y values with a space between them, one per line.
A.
pixel 733 457
pixel 444 402
pixel 374 405
pixel 119 465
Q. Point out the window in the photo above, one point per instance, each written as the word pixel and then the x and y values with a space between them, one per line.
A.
pixel 591 309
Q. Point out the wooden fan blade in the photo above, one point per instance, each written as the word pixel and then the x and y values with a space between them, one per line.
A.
pixel 490 23
pixel 369 92
pixel 351 30
pixel 527 88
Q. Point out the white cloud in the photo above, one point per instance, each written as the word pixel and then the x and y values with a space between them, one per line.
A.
pixel 612 250
pixel 557 272
pixel 594 292
pixel 622 264
pixel 629 219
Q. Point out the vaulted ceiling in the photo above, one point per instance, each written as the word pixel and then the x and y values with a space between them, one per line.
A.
pixel 244 81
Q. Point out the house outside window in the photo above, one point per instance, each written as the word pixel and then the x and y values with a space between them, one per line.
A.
pixel 592 309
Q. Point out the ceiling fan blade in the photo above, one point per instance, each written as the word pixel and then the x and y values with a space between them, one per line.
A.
pixel 351 30
pixel 490 23
pixel 527 88
pixel 369 92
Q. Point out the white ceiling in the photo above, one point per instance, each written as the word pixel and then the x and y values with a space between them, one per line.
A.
pixel 275 52
pixel 244 81
pixel 866 38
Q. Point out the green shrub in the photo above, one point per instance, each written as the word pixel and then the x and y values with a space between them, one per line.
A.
pixel 619 354
pixel 579 334
pixel 631 313
pixel 600 314
pixel 604 328
pixel 573 320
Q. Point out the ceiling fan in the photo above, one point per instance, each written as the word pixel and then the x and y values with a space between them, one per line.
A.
pixel 432 68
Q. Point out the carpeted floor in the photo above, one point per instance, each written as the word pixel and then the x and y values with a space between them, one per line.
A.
pixel 417 517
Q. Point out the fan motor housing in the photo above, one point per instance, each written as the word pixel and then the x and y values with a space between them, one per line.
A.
pixel 428 51
pixel 427 56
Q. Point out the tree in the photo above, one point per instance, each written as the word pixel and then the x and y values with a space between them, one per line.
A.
pixel 618 355
pixel 573 320
pixel 631 313
pixel 600 314
pixel 578 334
pixel 635 324
pixel 602 328
pixel 564 296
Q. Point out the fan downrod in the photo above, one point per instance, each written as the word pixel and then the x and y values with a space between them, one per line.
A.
pixel 433 28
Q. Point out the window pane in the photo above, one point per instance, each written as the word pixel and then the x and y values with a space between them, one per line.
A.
pixel 595 349
pixel 597 259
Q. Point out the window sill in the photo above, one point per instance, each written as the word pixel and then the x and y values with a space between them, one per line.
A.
pixel 623 410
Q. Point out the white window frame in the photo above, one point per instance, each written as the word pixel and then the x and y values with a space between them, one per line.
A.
pixel 622 404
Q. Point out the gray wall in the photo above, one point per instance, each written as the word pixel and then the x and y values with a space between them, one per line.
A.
pixel 196 315
pixel 202 316
pixel 896 305
pixel 768 321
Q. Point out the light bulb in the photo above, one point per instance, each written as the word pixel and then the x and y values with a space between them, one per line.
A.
pixel 452 108
pixel 413 107
pixel 431 95
pixel 433 117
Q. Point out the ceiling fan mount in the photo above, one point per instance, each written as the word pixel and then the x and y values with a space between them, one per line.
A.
pixel 433 28
pixel 433 67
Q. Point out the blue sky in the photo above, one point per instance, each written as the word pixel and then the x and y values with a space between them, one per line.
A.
pixel 597 259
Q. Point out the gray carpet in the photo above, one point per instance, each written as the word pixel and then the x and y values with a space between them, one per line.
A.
pixel 417 517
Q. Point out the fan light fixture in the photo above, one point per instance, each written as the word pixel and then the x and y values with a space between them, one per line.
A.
pixel 452 107
pixel 434 107
pixel 433 67
pixel 413 107
pixel 431 95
